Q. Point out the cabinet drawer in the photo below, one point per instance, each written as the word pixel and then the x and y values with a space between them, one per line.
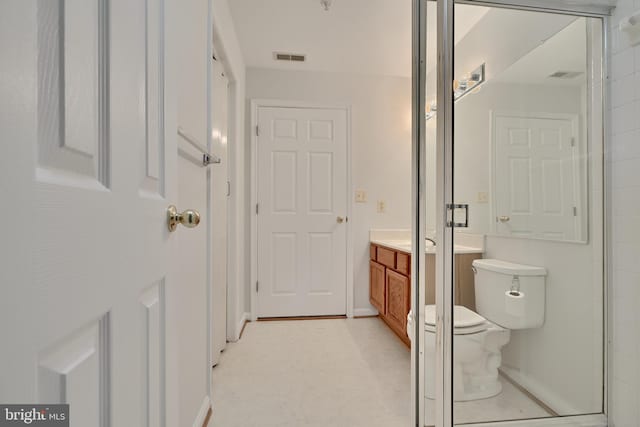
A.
pixel 403 263
pixel 386 257
pixel 372 252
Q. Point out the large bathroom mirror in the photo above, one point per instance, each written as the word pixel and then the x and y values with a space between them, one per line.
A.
pixel 521 135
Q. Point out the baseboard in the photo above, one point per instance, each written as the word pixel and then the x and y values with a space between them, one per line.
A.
pixel 596 420
pixel 365 312
pixel 240 326
pixel 556 403
pixel 203 413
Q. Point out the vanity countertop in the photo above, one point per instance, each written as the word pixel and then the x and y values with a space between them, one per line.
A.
pixel 405 246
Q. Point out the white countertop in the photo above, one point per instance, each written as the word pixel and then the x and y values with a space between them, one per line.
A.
pixel 405 246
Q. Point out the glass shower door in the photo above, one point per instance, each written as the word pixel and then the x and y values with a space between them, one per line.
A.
pixel 510 202
pixel 528 332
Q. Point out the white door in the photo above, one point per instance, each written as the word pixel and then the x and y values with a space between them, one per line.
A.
pixel 536 172
pixel 86 170
pixel 219 195
pixel 302 207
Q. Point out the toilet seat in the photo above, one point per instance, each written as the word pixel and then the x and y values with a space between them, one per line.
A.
pixel 466 322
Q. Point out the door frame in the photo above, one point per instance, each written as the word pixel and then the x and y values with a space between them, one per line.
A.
pixel 256 104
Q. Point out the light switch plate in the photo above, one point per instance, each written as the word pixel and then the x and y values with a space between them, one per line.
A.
pixel 361 196
pixel 382 206
pixel 483 197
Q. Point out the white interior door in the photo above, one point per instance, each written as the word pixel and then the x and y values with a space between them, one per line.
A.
pixel 302 206
pixel 86 168
pixel 536 176
pixel 219 197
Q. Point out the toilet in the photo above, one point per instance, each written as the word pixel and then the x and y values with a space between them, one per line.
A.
pixel 508 297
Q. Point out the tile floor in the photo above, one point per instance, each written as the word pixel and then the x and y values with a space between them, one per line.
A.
pixel 320 373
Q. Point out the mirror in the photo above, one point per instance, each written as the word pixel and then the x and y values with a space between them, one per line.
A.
pixel 530 116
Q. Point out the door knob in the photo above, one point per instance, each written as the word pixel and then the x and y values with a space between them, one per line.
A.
pixel 504 218
pixel 339 220
pixel 189 218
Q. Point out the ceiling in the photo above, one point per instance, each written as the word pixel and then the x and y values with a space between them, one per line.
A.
pixel 354 36
pixel 565 51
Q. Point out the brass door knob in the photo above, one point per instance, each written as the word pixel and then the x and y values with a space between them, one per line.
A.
pixel 189 218
pixel 339 220
pixel 504 218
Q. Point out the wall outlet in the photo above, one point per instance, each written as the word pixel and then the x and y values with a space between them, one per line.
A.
pixel 483 197
pixel 361 196
pixel 382 206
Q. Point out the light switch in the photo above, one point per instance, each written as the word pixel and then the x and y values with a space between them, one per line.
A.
pixel 382 206
pixel 483 197
pixel 361 196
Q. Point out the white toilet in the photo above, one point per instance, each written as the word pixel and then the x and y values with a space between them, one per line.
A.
pixel 508 296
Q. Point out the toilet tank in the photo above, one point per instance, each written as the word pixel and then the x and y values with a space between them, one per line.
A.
pixel 510 295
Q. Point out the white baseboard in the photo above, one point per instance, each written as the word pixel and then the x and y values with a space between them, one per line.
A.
pixel 202 413
pixel 598 420
pixel 542 393
pixel 360 312
pixel 244 318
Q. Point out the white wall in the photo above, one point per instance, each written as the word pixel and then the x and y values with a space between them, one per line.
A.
pixel 381 147
pixel 624 158
pixel 228 47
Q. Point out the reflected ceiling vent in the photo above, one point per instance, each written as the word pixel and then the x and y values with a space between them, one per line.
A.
pixel 565 74
pixel 291 57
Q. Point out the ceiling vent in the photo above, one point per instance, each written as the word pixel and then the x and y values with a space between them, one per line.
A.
pixel 565 74
pixel 291 57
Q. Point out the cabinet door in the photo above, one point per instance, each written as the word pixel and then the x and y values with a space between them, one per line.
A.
pixel 376 286
pixel 398 301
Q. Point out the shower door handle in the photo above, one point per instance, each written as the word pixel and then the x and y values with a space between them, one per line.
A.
pixel 451 209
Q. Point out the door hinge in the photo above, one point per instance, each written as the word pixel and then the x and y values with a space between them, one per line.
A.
pixel 573 141
pixel 257 285
pixel 257 131
pixel 575 211
pixel 257 209
pixel 228 189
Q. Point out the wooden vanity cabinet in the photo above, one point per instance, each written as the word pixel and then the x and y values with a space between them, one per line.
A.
pixel 464 288
pixel 390 285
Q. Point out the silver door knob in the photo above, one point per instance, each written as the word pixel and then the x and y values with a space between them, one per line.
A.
pixel 189 218
pixel 339 220
pixel 504 218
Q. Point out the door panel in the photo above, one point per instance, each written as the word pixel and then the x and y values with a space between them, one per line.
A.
pixel 302 199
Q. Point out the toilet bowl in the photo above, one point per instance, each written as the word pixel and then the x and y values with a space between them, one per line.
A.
pixel 477 355
pixel 509 297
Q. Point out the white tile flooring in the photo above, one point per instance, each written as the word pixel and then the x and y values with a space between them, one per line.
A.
pixel 341 372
